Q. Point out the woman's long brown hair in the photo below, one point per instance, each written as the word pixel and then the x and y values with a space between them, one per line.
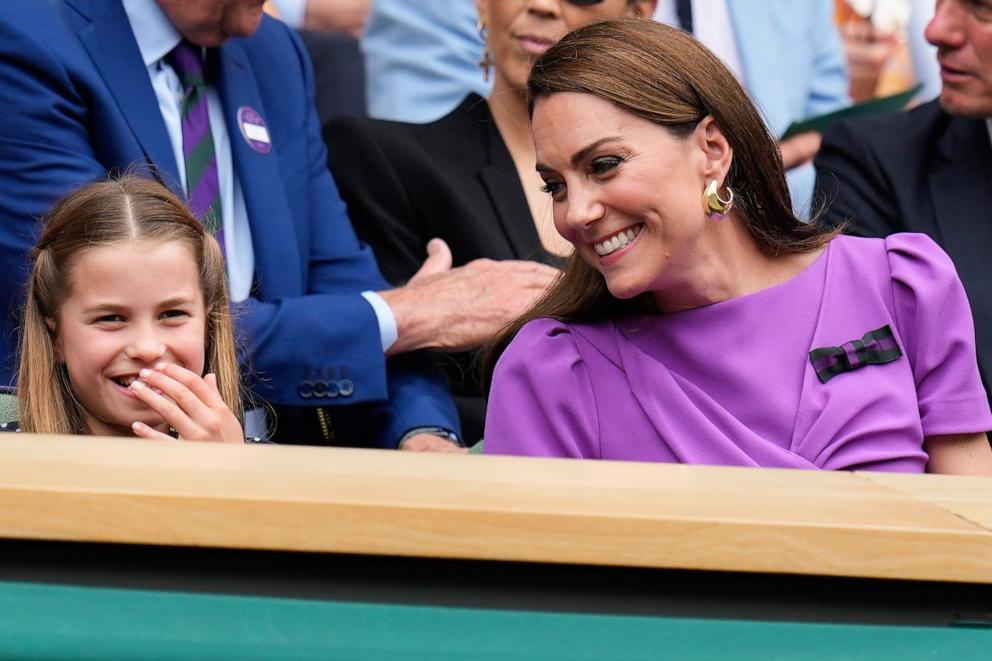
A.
pixel 116 211
pixel 665 76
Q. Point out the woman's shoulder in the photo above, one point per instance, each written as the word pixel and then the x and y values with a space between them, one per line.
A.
pixel 909 243
pixel 893 254
pixel 540 338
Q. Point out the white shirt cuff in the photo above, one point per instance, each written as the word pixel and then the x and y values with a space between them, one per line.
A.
pixel 292 12
pixel 388 332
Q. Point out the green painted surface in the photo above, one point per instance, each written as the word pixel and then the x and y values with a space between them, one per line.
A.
pixel 8 407
pixel 61 622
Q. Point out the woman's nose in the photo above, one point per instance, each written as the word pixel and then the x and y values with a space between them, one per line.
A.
pixel 583 208
pixel 547 8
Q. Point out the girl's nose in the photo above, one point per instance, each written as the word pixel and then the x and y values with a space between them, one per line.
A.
pixel 145 349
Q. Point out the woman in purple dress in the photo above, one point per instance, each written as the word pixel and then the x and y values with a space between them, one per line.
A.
pixel 698 320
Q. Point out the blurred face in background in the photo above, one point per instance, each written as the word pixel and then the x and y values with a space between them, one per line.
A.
pixel 210 23
pixel 518 31
pixel 962 32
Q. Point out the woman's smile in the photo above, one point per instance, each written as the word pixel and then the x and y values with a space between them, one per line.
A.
pixel 617 241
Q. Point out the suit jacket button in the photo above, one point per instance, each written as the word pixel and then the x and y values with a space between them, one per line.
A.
pixel 347 387
pixel 305 390
pixel 319 389
pixel 333 389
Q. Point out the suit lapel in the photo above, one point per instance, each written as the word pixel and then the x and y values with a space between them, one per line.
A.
pixel 961 189
pixel 273 233
pixel 960 185
pixel 107 37
pixel 499 176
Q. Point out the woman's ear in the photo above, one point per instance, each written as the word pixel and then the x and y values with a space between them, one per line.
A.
pixel 717 152
pixel 53 332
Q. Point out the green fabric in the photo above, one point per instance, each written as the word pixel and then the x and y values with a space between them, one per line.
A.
pixel 60 622
pixel 478 448
pixel 8 408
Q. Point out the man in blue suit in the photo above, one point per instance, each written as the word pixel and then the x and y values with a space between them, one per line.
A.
pixel 90 89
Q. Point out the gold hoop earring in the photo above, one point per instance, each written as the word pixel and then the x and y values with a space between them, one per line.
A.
pixel 714 207
pixel 486 63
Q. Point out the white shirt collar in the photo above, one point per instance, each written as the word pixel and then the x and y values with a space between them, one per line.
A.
pixel 988 125
pixel 154 32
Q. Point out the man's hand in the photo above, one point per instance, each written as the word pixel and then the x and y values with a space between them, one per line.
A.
pixel 430 443
pixel 457 309
pixel 799 149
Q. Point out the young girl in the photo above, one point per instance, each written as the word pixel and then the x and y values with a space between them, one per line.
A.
pixel 126 329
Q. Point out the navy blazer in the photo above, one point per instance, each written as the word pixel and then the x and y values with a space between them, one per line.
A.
pixel 79 104
pixel 920 171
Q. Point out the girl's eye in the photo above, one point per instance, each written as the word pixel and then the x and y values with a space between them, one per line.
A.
pixel 174 314
pixel 552 187
pixel 606 164
pixel 109 319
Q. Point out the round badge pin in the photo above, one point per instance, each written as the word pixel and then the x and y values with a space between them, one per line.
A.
pixel 253 130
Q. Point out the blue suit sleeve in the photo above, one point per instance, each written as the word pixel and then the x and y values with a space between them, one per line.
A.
pixel 45 151
pixel 332 324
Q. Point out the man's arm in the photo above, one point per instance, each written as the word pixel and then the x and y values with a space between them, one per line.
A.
pixel 462 308
pixel 44 153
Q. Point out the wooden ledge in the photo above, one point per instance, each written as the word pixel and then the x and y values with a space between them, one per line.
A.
pixel 496 508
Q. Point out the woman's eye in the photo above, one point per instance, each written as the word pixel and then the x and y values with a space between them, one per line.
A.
pixel 605 164
pixel 552 188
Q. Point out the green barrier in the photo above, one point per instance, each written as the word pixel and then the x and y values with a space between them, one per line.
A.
pixel 8 407
pixel 60 622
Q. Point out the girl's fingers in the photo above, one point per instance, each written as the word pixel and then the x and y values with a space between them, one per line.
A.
pixel 144 431
pixel 197 384
pixel 185 398
pixel 188 402
pixel 164 406
pixel 211 381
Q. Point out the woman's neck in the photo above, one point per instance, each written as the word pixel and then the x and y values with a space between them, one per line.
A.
pixel 727 265
pixel 509 108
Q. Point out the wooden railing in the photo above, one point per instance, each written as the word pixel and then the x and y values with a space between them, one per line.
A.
pixel 916 527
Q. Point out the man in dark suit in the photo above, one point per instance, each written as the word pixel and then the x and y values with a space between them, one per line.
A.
pixel 91 87
pixel 929 170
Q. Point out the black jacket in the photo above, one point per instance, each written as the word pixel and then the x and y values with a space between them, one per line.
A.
pixel 921 171
pixel 454 179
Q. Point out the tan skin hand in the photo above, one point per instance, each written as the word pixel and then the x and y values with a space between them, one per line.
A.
pixel 799 149
pixel 458 309
pixel 190 404
pixel 959 454
pixel 430 443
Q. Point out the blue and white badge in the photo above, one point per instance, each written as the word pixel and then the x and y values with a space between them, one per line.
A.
pixel 253 130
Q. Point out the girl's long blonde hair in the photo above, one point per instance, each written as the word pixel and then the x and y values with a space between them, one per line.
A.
pixel 116 211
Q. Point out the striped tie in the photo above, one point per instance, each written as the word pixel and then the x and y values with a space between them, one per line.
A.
pixel 202 186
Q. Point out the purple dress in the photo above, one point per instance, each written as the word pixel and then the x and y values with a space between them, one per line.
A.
pixel 848 365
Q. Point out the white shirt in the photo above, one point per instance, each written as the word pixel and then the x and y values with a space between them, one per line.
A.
pixel 711 25
pixel 156 37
